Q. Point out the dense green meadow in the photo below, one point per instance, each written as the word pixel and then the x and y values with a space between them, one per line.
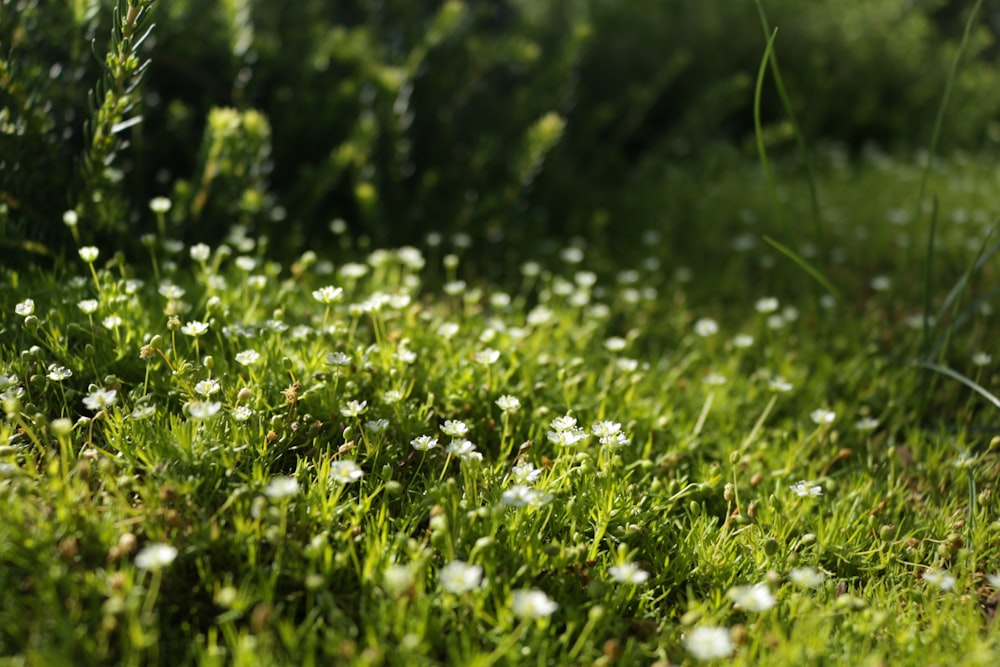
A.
pixel 727 400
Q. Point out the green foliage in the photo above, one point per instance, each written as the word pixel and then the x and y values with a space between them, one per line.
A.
pixel 513 119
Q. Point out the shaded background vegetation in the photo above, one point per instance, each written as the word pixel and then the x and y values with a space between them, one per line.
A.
pixel 511 119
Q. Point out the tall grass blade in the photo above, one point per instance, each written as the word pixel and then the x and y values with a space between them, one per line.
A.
pixel 758 127
pixel 806 266
pixel 800 140
pixel 958 377
pixel 939 121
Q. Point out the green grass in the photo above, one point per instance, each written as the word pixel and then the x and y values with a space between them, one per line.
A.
pixel 715 353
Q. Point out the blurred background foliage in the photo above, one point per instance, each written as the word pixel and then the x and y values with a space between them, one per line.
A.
pixel 502 119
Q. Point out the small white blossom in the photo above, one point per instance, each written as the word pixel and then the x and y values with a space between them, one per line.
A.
pixel 628 573
pixel 88 306
pixel 25 308
pixel 804 489
pixel 525 473
pixel 328 294
pixel 454 428
pixel 58 373
pixel 532 604
pixel 247 357
pixel 615 344
pixel 100 399
pixel 458 577
pixel 755 598
pixel 766 305
pixel 564 423
pixel 194 328
pixel 939 578
pixel 202 410
pixel 981 359
pixel 822 416
pixel 779 384
pixel 281 487
pixel 345 471
pixel 155 557
pixel 143 411
pixel 866 424
pixel 706 327
pixel 521 495
pixel 241 413
pixel 200 252
pixel 487 357
pixel 207 387
pixel 89 254
pixel 159 205
pixel 464 450
pixel 806 577
pixel 508 403
pixel 423 443
pixel 708 643
pixel 605 428
pixel 354 408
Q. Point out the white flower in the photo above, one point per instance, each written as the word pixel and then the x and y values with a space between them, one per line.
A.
pixel 143 411
pixel 88 306
pixel 603 429
pixel 567 438
pixel 345 471
pixel 194 328
pixel 246 263
pixel 155 557
pixel 708 642
pixel 377 425
pixel 328 294
pixel 423 443
pixel 100 399
pixel 281 487
pixel 170 291
pixel 447 330
pixel 353 271
pixel 70 218
pixel 742 341
pixel 338 359
pixel 779 384
pixel 247 357
pixel 200 252
pixel 628 573
pixel 354 408
pixel 562 423
pixel 803 488
pixel 201 410
pixel 766 305
pixel 487 357
pixel 241 413
pixel 58 373
pixel 454 428
pixel 755 598
pixel 458 577
pixel 806 577
pixel 392 396
pixel 940 578
pixel 398 579
pixel 89 254
pixel 866 424
pixel 25 308
pixel 715 379
pixel 159 205
pixel 822 416
pixel 508 403
pixel 525 473
pixel 615 344
pixel 981 359
pixel 520 495
pixel 881 283
pixel 112 322
pixel 207 387
pixel 706 327
pixel 464 450
pixel 532 604
pixel 994 580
